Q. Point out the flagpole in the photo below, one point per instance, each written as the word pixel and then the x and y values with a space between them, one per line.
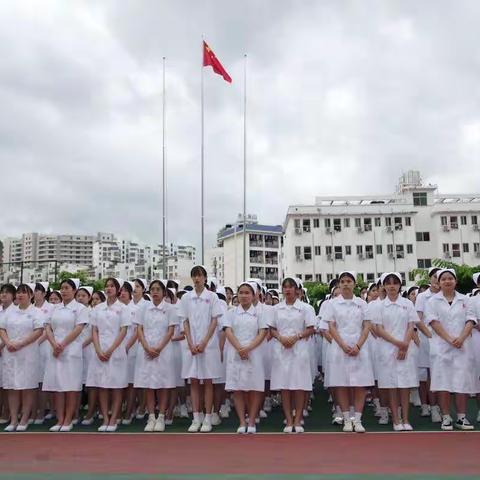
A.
pixel 164 195
pixel 202 202
pixel 245 276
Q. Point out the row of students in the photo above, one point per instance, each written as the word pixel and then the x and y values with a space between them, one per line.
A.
pixel 267 348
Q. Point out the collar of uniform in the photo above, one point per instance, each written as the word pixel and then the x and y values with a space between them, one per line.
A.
pixel 387 302
pixel 114 304
pixel 251 311
pixel 297 305
pixel 162 306
pixel 340 299
pixel 457 298
pixel 71 305
pixel 203 296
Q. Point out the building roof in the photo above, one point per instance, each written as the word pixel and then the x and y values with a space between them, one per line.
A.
pixel 251 228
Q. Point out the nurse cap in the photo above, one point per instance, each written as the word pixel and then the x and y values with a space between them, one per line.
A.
pixel 371 285
pixel 252 285
pixel 75 281
pixel 44 285
pixel 433 271
pixel 199 266
pixel 446 270
pixel 213 280
pixel 348 273
pixel 257 281
pixel 475 278
pixel 389 274
pixel 173 290
pixel 120 282
pixel 293 279
pixel 31 286
pixel 87 288
pixel 475 291
pixel 142 282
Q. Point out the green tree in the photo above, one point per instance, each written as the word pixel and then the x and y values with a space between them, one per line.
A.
pixel 82 276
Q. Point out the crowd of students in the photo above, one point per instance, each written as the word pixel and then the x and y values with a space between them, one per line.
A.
pixel 157 352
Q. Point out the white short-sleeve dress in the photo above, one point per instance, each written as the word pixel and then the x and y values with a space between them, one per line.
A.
pixel 475 332
pixel 21 368
pixel 133 309
pixel 396 317
pixel 291 366
pixel 452 369
pixel 44 311
pixel 109 320
pixel 158 372
pixel 199 310
pixel 65 372
pixel 344 370
pixel 424 349
pixel 245 375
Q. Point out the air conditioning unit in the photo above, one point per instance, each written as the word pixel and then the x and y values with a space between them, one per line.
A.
pixel 328 230
pixel 298 258
pixel 398 226
pixel 359 229
pixel 329 257
pixel 388 229
pixel 391 256
pixel 298 231
pixel 447 255
pixel 446 228
pixel 476 228
pixel 306 229
pixel 360 256
pixel 454 226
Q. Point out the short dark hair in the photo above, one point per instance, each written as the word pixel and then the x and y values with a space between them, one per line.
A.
pixel 8 288
pixel 198 270
pixel 70 282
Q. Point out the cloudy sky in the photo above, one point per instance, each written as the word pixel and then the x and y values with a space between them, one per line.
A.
pixel 342 98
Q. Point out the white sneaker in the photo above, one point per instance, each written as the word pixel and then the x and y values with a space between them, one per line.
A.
pixel 262 414
pixel 112 428
pixel 183 411
pixel 337 420
pixel 358 427
pixel 55 428
pixel 251 429
pixel 127 421
pixel 159 424
pixel 436 416
pixel 66 428
pixel 383 420
pixel 306 413
pixel 398 427
pixel 168 422
pixel 415 398
pixel 87 421
pixel 242 429
pixel 407 427
pixel 267 404
pixel 75 421
pixel 176 411
pixel 22 428
pixel 49 416
pixel 299 429
pixel 102 428
pixel 224 411
pixel 461 424
pixel 288 429
pixel 195 426
pixel 39 421
pixel 447 423
pixel 206 427
pixel 149 427
pixel 425 410
pixel 347 426
pixel 10 428
pixel 216 420
pixel 139 415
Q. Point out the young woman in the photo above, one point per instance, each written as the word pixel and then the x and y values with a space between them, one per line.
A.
pixel 396 353
pixel 154 369
pixel 229 294
pixel 108 369
pixel 291 325
pixel 20 329
pixel 452 360
pixel 97 298
pixel 349 363
pixel 63 373
pixel 54 298
pixel 245 329
pixel 199 311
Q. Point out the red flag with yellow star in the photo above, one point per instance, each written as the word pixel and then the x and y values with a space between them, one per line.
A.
pixel 209 59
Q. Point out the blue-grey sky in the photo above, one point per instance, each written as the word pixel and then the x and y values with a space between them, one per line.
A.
pixel 343 96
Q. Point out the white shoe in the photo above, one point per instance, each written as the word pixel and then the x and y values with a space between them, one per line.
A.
pixel 75 421
pixel 305 413
pixel 252 430
pixel 189 405
pixel 224 411
pixel 262 414
pixel 38 421
pixel 206 427
pixel 176 411
pixel 216 420
pixel 407 427
pixel 183 411
pixel 102 428
pixel 288 429
pixel 100 416
pixel 358 427
pixel 347 426
pixel 30 421
pixel 425 411
pixel 447 423
pixel 22 428
pixel 299 429
pixel 112 428
pixel 383 420
pixel 241 429
pixel 10 428
pixel 4 421
pixel 55 428
pixel 337 420
pixel 159 424
pixel 436 416
pixel 87 421
pixel 267 404
pixel 478 416
pixel 398 427
pixel 49 416
pixel 415 398
pixel 168 422
pixel 257 420
pixel 66 428
pixel 149 427
pixel 138 415
pixel 195 426
pixel 127 421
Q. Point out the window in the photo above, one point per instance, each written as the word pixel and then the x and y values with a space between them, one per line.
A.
pixel 370 277
pixel 443 220
pixel 378 221
pixel 474 220
pixel 455 249
pixel 476 247
pixel 307 253
pixel 368 251
pixel 327 223
pixel 408 221
pixel 367 224
pixel 358 223
pixel 308 278
pixel 316 223
pixel 402 274
pixel 420 199
pixel 297 223
pixel 424 263
pixel 338 253
pixel 379 249
pixel 388 222
pixel 422 236
pixel 346 223
pixel 411 276
pixel 318 277
pixel 298 251
pixel 337 224
pixel 453 223
pixel 400 251
pixel 306 224
pixel 329 277
pixel 318 250
pixel 463 220
pixel 348 250
pixel 446 247
pixel 409 248
pixel 398 221
pixel 359 250
pixel 299 276
pixel 390 249
pixel 465 248
pixel 328 250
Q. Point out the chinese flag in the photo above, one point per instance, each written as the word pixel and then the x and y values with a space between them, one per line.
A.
pixel 209 58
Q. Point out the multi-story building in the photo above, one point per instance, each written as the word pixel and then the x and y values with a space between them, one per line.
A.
pixel 263 244
pixel 214 263
pixel 372 234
